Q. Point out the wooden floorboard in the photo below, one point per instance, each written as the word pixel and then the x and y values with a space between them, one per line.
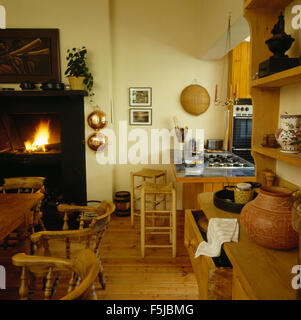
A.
pixel 129 277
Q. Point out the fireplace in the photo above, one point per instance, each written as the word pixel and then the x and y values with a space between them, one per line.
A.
pixel 30 133
pixel 42 133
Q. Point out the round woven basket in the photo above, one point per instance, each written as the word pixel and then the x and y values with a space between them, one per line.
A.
pixel 195 99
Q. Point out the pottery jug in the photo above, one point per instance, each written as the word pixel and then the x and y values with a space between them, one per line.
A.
pixel 289 133
pixel 267 219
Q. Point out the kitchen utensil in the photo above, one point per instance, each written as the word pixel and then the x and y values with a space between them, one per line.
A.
pixel 214 144
pixel 224 200
pixel 97 120
pixel 243 193
pixel 97 141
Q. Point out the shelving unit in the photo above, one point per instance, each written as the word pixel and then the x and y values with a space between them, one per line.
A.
pixel 262 16
pixel 294 159
pixel 279 79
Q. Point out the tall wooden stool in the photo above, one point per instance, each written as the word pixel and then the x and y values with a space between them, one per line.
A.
pixel 158 214
pixel 145 174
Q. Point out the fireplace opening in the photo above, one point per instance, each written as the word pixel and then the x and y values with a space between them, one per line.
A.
pixel 42 133
pixel 27 133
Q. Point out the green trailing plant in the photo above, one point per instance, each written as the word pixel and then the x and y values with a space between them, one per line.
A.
pixel 77 67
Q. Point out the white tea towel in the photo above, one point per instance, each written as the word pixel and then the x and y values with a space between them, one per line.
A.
pixel 219 231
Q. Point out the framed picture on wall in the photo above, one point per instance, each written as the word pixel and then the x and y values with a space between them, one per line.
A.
pixel 140 97
pixel 29 55
pixel 140 117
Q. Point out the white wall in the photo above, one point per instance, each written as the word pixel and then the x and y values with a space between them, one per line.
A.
pixel 156 44
pixel 81 24
pixel 214 23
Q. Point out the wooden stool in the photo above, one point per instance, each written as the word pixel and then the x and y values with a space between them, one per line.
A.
pixel 171 230
pixel 145 174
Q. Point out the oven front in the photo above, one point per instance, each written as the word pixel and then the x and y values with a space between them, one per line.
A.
pixel 242 132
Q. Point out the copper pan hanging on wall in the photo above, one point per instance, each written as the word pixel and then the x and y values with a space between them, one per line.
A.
pixel 97 120
pixel 97 141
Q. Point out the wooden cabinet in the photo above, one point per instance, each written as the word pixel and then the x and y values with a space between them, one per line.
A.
pixel 257 273
pixel 239 70
pixel 262 16
pixel 214 281
pixel 238 291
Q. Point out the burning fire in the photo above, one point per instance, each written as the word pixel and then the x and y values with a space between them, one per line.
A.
pixel 40 139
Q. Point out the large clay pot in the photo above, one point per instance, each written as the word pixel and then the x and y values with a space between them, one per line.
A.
pixel 268 219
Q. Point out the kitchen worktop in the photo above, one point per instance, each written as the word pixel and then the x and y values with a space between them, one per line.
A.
pixel 208 172
pixel 211 179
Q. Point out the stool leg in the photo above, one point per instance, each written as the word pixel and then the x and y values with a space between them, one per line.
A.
pixel 154 198
pixel 142 224
pixel 174 224
pixel 165 196
pixel 132 198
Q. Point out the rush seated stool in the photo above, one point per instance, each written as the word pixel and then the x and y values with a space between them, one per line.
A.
pixel 144 174
pixel 168 216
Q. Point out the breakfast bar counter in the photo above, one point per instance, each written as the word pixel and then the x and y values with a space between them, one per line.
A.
pixel 211 179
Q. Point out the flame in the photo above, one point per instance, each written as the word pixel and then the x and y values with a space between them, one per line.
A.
pixel 40 139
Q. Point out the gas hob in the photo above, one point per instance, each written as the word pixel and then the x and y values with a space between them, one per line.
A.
pixel 226 160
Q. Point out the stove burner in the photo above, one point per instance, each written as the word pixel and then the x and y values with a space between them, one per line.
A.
pixel 225 161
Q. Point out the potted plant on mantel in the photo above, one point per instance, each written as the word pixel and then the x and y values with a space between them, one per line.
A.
pixel 77 70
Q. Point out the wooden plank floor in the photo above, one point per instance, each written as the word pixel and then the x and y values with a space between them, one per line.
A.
pixel 129 277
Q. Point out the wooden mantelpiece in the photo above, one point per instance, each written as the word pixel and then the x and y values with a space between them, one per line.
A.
pixel 42 93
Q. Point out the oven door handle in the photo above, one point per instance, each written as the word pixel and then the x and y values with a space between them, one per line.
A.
pixel 240 149
pixel 243 118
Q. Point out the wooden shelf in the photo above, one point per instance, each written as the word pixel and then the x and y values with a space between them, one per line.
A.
pixel 293 159
pixel 279 79
pixel 266 4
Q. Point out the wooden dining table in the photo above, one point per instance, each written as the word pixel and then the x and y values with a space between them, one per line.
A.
pixel 15 210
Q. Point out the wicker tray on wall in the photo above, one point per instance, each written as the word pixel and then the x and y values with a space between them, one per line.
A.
pixel 195 99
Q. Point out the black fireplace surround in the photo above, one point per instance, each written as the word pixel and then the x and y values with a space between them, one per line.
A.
pixel 65 170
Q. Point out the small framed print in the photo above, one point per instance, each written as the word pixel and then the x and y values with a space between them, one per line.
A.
pixel 140 97
pixel 140 117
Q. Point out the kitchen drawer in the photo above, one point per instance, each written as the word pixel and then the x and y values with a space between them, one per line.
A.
pixel 214 275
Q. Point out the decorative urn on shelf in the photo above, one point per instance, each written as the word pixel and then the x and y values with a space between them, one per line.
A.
pixel 278 45
pixel 267 219
pixel 289 133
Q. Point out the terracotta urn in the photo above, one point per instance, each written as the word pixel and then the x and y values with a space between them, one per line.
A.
pixel 267 219
pixel 289 133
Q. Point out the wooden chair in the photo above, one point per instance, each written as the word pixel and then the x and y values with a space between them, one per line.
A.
pixel 67 243
pixel 24 185
pixel 82 271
